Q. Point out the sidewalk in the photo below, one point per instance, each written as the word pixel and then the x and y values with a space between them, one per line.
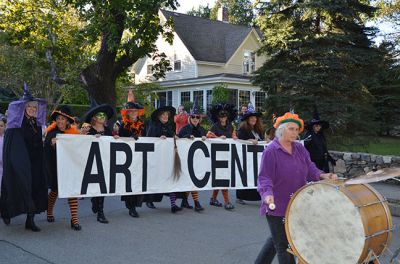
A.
pixel 392 193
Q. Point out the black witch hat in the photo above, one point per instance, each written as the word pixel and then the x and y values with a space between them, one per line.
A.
pixel 315 120
pixel 64 111
pixel 219 110
pixel 96 108
pixel 163 108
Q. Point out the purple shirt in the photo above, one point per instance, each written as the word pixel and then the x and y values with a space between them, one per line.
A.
pixel 282 174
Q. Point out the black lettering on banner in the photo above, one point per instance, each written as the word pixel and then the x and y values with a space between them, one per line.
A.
pixel 120 168
pixel 236 161
pixel 94 178
pixel 144 147
pixel 255 149
pixel 195 146
pixel 218 164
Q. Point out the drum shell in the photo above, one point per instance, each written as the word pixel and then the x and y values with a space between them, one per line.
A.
pixel 373 210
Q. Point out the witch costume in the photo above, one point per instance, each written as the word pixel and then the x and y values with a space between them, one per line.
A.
pixel 246 134
pixel 24 189
pixel 193 131
pixel 217 130
pixel 133 129
pixel 50 164
pixel 158 129
pixel 106 111
pixel 315 143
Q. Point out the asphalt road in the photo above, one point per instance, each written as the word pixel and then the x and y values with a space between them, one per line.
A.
pixel 157 236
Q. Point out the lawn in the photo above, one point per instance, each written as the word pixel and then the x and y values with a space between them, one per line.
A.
pixel 379 146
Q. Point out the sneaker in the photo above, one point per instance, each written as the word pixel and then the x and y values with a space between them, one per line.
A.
pixel 229 206
pixel 240 201
pixel 215 202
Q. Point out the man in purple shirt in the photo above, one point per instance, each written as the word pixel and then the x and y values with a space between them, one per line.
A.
pixel 285 168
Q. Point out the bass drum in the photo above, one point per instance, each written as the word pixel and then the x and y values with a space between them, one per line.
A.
pixel 330 222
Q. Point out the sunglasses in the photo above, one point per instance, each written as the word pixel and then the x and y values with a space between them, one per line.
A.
pixel 101 115
pixel 195 117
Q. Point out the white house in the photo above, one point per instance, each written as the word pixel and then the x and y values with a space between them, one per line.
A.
pixel 206 53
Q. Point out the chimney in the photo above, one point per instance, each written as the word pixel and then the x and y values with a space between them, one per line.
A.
pixel 223 14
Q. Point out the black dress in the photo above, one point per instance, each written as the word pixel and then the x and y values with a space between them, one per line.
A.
pixel 132 201
pixel 24 188
pixel 315 143
pixel 248 194
pixel 188 130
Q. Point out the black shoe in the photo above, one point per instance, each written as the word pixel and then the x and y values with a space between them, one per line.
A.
pixel 30 223
pixel 175 209
pixel 102 218
pixel 150 205
pixel 95 205
pixel 75 227
pixel 133 213
pixel 50 218
pixel 198 207
pixel 185 204
pixel 6 220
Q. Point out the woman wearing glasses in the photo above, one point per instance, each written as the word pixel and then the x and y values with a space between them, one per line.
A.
pixel 193 130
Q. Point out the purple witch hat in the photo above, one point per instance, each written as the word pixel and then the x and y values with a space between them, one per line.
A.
pixel 16 110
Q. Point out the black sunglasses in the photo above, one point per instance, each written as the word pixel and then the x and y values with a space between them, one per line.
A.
pixel 195 116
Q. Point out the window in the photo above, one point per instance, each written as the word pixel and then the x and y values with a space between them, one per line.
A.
pixel 185 97
pixel 249 62
pixel 259 100
pixel 198 97
pixel 233 97
pixel 209 99
pixel 169 98
pixel 177 65
pixel 164 98
pixel 149 69
pixel 244 98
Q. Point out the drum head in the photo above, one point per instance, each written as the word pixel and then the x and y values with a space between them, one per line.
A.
pixel 324 226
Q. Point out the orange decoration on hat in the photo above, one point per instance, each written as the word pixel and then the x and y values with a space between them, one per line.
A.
pixel 289 117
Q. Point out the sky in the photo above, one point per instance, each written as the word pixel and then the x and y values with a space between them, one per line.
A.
pixel 186 5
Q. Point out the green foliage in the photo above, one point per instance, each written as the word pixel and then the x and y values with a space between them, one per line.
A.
pixel 319 53
pixel 376 145
pixel 240 11
pixel 200 11
pixel 220 94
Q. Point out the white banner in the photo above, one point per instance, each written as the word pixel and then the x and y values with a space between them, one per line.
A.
pixel 89 166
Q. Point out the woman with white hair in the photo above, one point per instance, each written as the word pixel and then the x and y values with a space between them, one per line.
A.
pixel 285 168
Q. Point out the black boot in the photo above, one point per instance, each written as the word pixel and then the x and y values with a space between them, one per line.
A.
pixel 6 220
pixel 150 205
pixel 76 227
pixel 175 209
pixel 132 212
pixel 100 214
pixel 30 223
pixel 185 204
pixel 198 207
pixel 95 204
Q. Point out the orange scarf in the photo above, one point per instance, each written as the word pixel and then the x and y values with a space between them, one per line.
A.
pixel 71 130
pixel 134 127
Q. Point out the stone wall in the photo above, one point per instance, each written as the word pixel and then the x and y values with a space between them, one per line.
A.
pixel 352 164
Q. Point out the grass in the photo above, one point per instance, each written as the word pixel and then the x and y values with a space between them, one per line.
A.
pixel 379 146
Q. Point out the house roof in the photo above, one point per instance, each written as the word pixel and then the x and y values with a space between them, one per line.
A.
pixel 208 40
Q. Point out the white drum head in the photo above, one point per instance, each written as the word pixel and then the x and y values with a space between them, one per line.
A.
pixel 325 226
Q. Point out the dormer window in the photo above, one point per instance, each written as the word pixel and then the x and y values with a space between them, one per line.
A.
pixel 249 62
pixel 149 69
pixel 177 64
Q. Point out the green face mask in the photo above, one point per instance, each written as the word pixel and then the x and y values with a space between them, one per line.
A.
pixel 101 115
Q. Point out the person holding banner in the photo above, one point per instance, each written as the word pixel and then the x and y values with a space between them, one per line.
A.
pixel 251 128
pixel 222 115
pixel 62 124
pixel 161 126
pixel 193 130
pixel 285 167
pixel 97 116
pixel 24 189
pixel 132 126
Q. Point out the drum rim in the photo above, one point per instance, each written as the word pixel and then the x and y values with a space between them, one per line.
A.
pixel 335 184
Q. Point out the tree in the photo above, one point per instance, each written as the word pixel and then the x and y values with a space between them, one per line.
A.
pixel 127 31
pixel 119 32
pixel 319 53
pixel 240 11
pixel 387 89
pixel 220 94
pixel 200 11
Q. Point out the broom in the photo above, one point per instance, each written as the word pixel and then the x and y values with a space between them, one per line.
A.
pixel 177 162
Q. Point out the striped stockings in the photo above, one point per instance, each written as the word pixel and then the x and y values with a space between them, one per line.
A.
pixel 224 194
pixel 73 207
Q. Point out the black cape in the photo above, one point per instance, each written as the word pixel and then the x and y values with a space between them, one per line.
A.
pixel 315 143
pixel 247 194
pixel 24 188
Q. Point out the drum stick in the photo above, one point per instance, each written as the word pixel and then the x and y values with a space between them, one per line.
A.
pixel 271 206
